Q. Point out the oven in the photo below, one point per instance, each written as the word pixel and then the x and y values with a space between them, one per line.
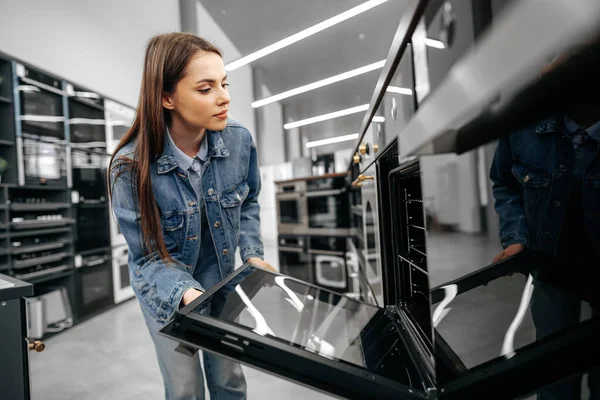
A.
pixel 327 256
pixel 121 280
pixel 328 204
pixel 291 208
pixel 94 283
pixel 42 150
pixel 293 258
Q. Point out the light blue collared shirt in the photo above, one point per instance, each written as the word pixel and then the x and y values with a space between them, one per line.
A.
pixel 186 162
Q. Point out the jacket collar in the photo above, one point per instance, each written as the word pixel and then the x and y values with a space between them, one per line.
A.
pixel 216 148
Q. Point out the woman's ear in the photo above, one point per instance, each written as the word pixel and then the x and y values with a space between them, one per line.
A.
pixel 168 101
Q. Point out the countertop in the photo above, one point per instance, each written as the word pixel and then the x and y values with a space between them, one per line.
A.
pixel 20 288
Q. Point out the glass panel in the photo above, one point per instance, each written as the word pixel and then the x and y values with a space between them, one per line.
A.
pixel 316 320
pixel 328 211
pixel 96 285
pixel 288 212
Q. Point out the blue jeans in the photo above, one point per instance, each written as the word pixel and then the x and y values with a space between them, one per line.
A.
pixel 183 376
pixel 554 310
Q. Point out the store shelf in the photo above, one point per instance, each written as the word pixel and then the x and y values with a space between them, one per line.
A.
pixel 39 232
pixel 5 100
pixel 4 142
pixel 47 274
pixel 38 206
pixel 38 247
pixel 35 224
pixel 40 260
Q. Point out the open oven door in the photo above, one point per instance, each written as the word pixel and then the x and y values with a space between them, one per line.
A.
pixel 305 334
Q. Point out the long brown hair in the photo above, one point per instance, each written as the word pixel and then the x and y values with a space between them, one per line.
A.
pixel 164 66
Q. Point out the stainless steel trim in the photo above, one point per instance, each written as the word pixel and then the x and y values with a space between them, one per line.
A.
pixel 20 161
pixel 43 86
pixel 498 66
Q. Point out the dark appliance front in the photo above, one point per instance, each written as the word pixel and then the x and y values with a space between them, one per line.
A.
pixel 328 266
pixel 94 282
pixel 43 154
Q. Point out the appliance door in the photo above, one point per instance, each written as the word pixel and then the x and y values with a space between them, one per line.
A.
pixel 293 258
pixel 89 176
pixel 41 112
pixel 328 209
pixel 44 160
pixel 93 231
pixel 302 333
pixel 291 213
pixel 371 240
pixel 94 283
pixel 121 280
pixel 87 124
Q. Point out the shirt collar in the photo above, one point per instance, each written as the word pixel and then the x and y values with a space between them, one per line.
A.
pixel 185 161
pixel 593 131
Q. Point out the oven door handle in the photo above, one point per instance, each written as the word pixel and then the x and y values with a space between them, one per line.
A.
pixel 95 262
pixel 323 193
pixel 291 249
pixel 327 252
pixel 361 178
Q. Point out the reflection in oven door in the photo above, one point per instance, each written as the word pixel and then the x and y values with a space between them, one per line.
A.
pixel 293 258
pixel 121 279
pixel 328 262
pixel 328 209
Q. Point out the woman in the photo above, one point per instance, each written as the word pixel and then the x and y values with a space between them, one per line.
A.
pixel 184 186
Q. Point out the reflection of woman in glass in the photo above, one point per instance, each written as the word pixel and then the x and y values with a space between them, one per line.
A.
pixel 545 186
pixel 184 186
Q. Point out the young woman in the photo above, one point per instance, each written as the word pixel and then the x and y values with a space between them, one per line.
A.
pixel 184 186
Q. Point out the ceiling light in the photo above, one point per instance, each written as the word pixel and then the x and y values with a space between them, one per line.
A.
pixel 337 139
pixel 378 119
pixel 304 34
pixel 325 117
pixel 396 89
pixel 319 84
pixel 436 44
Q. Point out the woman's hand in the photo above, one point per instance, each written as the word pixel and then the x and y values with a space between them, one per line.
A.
pixel 509 251
pixel 190 295
pixel 257 262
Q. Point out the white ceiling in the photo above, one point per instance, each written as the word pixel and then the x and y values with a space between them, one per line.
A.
pixel 361 40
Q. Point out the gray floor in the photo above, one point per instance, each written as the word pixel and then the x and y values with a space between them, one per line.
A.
pixel 112 357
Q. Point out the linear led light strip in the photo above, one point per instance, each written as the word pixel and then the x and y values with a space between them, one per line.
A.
pixel 319 84
pixel 337 139
pixel 304 34
pixel 347 111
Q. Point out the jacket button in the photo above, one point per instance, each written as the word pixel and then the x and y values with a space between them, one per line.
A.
pixel 562 168
pixel 211 191
pixel 526 179
pixel 217 224
pixel 556 203
pixel 225 252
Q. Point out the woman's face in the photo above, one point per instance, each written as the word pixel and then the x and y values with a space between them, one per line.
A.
pixel 201 99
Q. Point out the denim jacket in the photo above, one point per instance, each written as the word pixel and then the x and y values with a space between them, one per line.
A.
pixel 531 173
pixel 231 184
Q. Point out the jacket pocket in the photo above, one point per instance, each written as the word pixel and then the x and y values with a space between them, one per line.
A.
pixel 231 202
pixel 530 178
pixel 535 189
pixel 172 223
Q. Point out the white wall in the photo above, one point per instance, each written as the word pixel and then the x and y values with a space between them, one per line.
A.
pixel 97 44
pixel 241 88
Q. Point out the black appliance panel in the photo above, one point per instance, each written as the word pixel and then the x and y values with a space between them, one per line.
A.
pixel 94 284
